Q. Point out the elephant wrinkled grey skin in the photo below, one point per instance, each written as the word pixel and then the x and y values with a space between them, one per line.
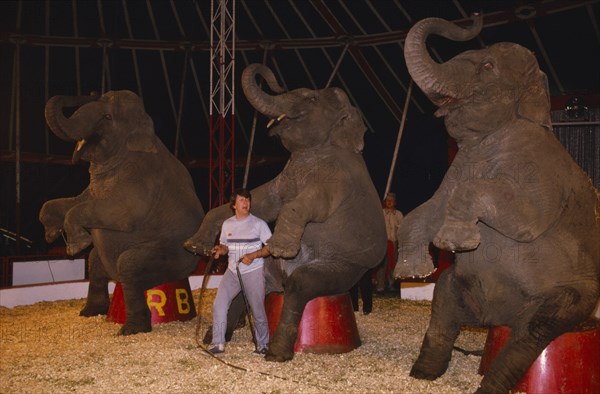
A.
pixel 521 215
pixel 329 222
pixel 138 209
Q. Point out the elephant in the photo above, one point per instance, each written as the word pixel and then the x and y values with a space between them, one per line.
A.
pixel 138 209
pixel 329 227
pixel 520 215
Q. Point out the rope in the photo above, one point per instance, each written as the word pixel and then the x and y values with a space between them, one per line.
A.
pixel 206 277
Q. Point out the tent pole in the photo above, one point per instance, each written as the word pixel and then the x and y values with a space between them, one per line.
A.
pixel 47 73
pixel 133 50
pixel 402 122
pixel 181 96
pixel 104 44
pixel 337 64
pixel 17 102
pixel 77 57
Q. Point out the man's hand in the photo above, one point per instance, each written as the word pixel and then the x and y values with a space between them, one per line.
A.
pixel 249 258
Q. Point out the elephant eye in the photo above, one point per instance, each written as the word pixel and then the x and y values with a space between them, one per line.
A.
pixel 107 116
pixel 488 65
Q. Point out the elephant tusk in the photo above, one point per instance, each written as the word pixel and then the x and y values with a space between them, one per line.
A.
pixel 80 145
pixel 279 119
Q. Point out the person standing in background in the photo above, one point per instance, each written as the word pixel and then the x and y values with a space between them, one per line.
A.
pixel 393 217
pixel 365 286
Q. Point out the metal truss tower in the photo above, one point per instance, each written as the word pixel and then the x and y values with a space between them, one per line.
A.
pixel 222 93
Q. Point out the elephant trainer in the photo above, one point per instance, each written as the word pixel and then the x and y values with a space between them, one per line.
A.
pixel 522 217
pixel 329 223
pixel 138 209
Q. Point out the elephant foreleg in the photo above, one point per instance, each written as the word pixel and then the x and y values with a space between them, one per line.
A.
pixel 98 214
pixel 508 207
pixel 53 212
pixel 97 299
pixel 265 205
pixel 305 283
pixel 414 235
pixel 266 202
pixel 295 215
pixel 204 239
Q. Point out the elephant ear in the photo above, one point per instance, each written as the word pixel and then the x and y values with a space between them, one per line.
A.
pixel 133 119
pixel 534 103
pixel 349 129
pixel 139 142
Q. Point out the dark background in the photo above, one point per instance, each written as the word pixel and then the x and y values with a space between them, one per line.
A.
pixel 308 38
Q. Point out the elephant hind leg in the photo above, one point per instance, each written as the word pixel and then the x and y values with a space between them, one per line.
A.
pixel 138 317
pixel 140 269
pixel 556 313
pixel 305 283
pixel 97 302
pixel 448 315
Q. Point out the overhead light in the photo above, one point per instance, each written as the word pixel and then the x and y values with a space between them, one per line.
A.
pixel 576 109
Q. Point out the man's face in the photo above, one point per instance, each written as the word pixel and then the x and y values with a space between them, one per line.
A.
pixel 241 206
pixel 389 203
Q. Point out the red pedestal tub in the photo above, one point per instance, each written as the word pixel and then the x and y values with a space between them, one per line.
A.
pixel 168 302
pixel 569 364
pixel 327 326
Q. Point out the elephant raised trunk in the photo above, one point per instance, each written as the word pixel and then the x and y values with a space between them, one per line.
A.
pixel 434 78
pixel 67 129
pixel 263 102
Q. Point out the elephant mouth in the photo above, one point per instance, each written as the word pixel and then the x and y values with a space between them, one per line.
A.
pixel 78 150
pixel 82 146
pixel 275 124
pixel 276 121
pixel 448 104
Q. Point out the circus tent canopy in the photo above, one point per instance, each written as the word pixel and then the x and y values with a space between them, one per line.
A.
pixel 160 49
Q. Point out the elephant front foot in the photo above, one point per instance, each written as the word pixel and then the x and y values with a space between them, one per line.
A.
pixel 78 243
pixel 52 235
pixel 286 250
pixel 197 247
pixel 457 236
pixel 415 265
